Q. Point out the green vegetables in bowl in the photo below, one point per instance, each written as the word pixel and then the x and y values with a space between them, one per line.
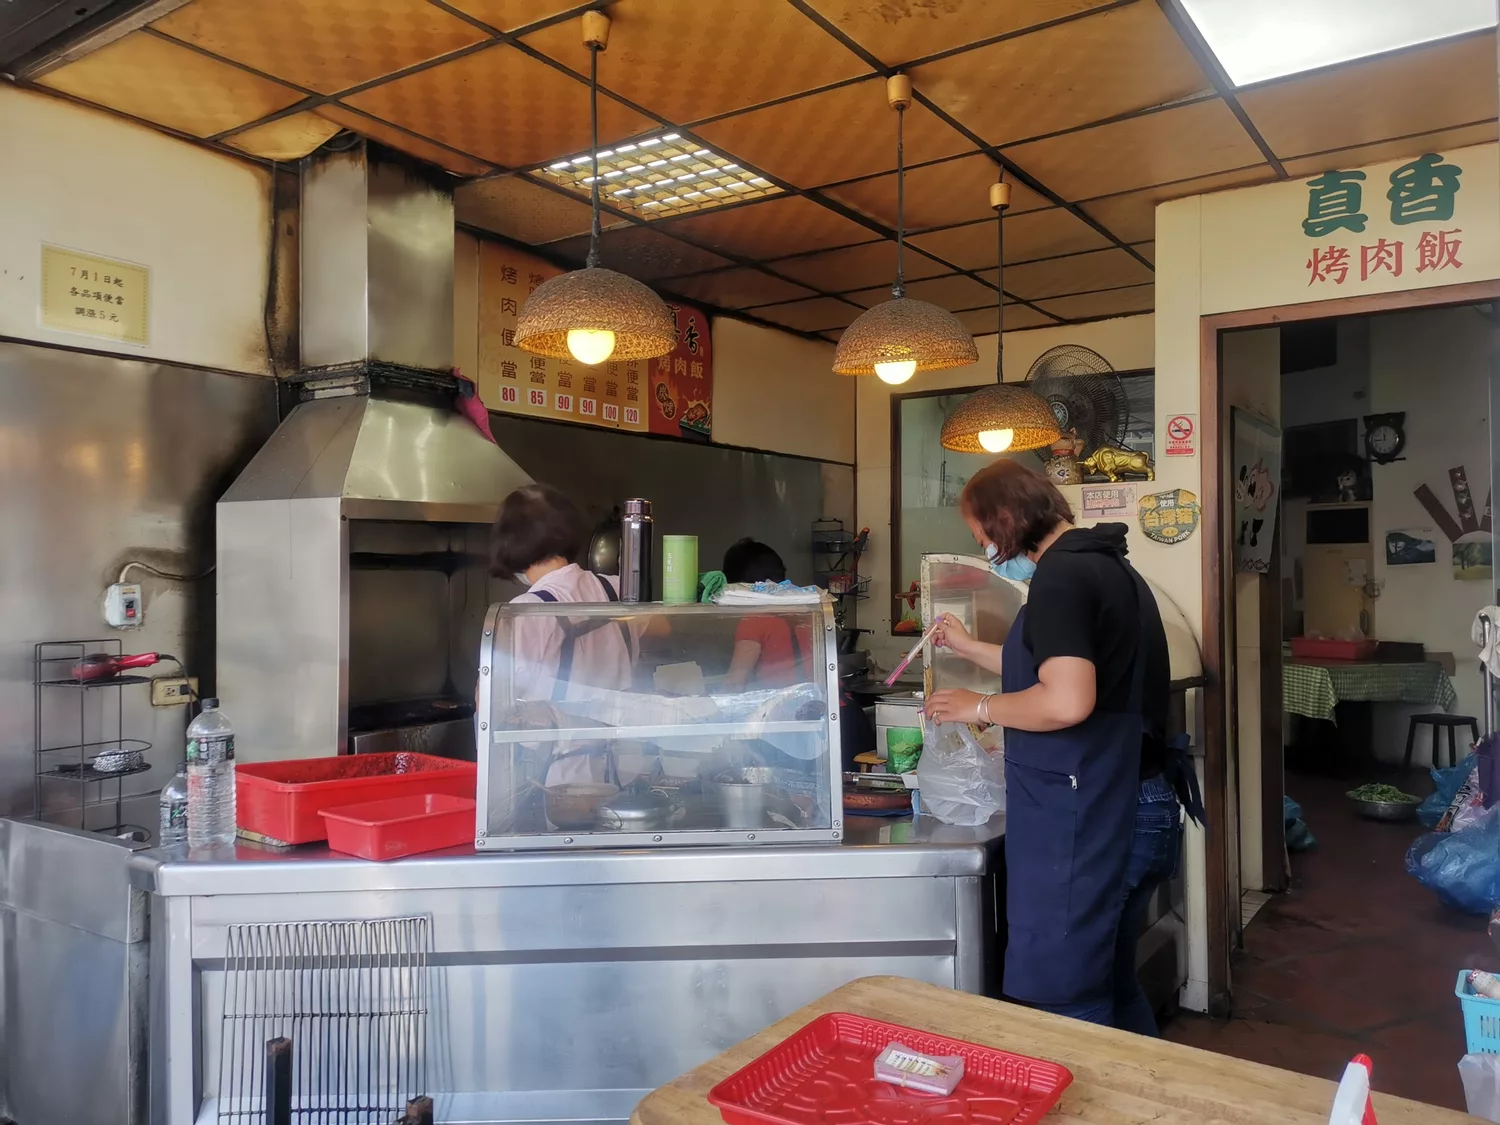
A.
pixel 1383 794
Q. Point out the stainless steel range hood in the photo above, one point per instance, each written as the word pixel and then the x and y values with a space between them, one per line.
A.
pixel 351 549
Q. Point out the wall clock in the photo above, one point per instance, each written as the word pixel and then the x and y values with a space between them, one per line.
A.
pixel 1385 437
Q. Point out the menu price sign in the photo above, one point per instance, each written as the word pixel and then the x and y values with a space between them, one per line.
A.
pixel 682 381
pixel 95 296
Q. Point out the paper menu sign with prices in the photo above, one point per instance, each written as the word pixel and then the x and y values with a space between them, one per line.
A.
pixel 94 296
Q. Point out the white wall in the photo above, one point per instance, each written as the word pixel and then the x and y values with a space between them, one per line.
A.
pixel 201 222
pixel 776 391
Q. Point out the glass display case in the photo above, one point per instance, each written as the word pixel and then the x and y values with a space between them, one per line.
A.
pixel 986 605
pixel 614 725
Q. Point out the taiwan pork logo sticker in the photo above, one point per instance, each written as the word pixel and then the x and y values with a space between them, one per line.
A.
pixel 1170 517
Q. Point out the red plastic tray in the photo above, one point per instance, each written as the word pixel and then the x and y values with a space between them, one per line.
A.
pixel 825 1075
pixel 282 800
pixel 398 826
pixel 1316 648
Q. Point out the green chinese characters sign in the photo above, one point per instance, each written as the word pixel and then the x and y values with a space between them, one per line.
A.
pixel 1419 202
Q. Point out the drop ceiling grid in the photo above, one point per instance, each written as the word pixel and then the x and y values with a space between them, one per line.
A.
pixel 810 115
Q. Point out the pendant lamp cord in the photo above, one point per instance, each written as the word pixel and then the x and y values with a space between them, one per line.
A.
pixel 1000 285
pixel 593 258
pixel 898 290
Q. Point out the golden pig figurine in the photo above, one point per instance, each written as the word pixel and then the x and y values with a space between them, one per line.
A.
pixel 1110 462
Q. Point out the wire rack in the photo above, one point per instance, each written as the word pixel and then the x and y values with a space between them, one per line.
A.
pixel 353 999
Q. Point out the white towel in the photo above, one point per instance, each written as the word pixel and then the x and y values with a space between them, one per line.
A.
pixel 1488 639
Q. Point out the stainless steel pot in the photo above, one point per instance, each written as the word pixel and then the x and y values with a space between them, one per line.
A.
pixel 636 811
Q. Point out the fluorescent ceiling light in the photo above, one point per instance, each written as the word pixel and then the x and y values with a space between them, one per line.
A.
pixel 1257 40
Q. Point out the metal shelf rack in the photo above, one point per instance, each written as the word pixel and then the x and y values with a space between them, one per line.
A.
pixel 72 733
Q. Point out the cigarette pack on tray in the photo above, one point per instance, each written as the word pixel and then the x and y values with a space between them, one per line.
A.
pixel 931 1074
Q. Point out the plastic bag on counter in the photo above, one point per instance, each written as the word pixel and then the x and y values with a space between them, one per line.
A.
pixel 960 782
pixel 1481 1079
pixel 1462 867
pixel 1448 782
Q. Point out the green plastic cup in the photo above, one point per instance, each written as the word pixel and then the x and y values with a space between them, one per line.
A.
pixel 679 569
pixel 903 746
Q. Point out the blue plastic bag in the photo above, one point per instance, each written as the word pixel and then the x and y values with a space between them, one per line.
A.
pixel 1448 782
pixel 1462 867
pixel 1298 836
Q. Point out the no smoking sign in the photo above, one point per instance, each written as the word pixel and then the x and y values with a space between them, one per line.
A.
pixel 1182 435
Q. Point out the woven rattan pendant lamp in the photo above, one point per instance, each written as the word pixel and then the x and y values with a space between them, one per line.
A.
pixel 1001 418
pixel 903 336
pixel 594 314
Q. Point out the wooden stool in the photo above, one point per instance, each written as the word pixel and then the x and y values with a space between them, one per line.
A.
pixel 1438 722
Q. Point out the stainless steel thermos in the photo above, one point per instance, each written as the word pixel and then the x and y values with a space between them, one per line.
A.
pixel 637 552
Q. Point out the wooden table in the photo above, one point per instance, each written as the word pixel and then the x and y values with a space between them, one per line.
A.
pixel 1118 1078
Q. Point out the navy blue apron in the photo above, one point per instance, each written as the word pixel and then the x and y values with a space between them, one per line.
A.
pixel 1070 808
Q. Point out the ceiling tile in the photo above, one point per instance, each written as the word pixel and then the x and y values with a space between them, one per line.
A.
pixel 1131 216
pixel 324 45
pixel 502 105
pixel 1413 91
pixel 508 15
pixel 1035 234
pixel 836 135
pixel 1174 144
pixel 858 267
pixel 157 80
pixel 957 291
pixel 810 316
pixel 895 31
pixel 402 141
pixel 938 195
pixel 1146 250
pixel 641 252
pixel 777 227
pixel 286 138
pixel 1111 302
pixel 517 208
pixel 737 288
pixel 982 322
pixel 1076 273
pixel 1062 77
pixel 687 60
pixel 1381 151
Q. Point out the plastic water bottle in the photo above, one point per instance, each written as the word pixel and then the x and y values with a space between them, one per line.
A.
pixel 210 778
pixel 174 811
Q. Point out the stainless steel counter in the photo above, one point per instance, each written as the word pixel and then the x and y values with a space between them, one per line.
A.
pixel 566 985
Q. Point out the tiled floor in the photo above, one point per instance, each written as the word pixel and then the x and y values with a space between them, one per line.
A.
pixel 1356 957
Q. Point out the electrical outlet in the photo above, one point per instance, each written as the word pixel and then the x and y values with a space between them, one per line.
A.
pixel 173 691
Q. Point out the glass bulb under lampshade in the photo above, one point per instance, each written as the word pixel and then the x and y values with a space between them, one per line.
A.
pixel 591 345
pixel 897 371
pixel 996 441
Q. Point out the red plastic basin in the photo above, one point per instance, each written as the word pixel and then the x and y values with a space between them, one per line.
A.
pixel 397 826
pixel 282 800
pixel 1319 648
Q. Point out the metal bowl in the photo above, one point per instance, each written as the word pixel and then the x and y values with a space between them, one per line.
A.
pixel 1385 810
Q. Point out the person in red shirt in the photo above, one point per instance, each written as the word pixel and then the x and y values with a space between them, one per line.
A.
pixel 768 651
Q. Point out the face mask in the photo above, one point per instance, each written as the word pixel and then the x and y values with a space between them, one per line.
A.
pixel 1018 569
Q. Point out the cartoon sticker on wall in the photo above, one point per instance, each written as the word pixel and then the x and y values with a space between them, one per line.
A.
pixel 1257 473
pixel 1171 516
pixel 1470 533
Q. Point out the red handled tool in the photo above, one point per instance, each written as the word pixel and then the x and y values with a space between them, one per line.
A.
pixel 102 666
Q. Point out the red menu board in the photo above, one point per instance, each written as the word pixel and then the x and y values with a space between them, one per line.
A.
pixel 681 394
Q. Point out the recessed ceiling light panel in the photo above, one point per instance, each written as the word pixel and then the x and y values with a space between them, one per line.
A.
pixel 1257 40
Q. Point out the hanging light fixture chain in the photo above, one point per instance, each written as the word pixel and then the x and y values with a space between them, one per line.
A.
pixel 1000 285
pixel 899 288
pixel 593 258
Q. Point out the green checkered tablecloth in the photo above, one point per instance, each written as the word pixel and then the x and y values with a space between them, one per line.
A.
pixel 1313 690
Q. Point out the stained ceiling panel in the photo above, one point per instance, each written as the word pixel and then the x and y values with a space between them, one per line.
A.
pixel 811 316
pixel 1076 273
pixel 1416 91
pixel 517 208
pixel 1036 234
pixel 403 141
pixel 286 138
pixel 1174 144
pixel 508 15
pixel 835 135
pixel 857 267
pixel 687 60
pixel 984 322
pixel 737 288
pixel 958 291
pixel 641 252
pixel 324 45
pixel 776 227
pixel 152 78
pixel 1111 302
pixel 502 105
pixel 897 31
pixel 1132 215
pixel 1381 151
pixel 1062 77
pixel 937 195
